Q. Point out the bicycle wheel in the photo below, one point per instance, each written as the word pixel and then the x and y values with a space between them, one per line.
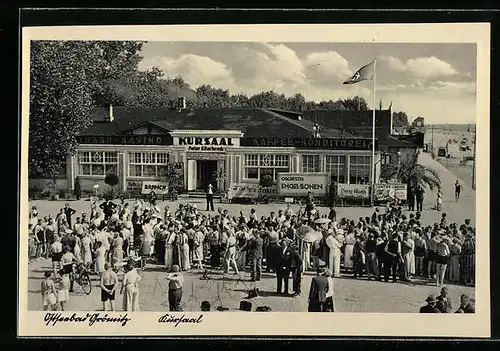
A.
pixel 85 283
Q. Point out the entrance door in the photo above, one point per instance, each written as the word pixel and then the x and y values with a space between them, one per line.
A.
pixel 205 173
pixel 191 175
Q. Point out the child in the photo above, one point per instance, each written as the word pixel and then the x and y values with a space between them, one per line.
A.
pixel 49 292
pixel 63 294
pixel 439 200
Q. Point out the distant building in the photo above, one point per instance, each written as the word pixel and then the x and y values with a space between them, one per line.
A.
pixel 418 122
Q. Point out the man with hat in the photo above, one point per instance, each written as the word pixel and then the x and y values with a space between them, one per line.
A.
pixel 175 285
pixel 431 305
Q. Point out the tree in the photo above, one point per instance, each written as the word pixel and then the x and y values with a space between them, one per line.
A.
pixel 60 102
pixel 355 103
pixel 400 119
pixel 413 174
pixel 67 78
pixel 112 180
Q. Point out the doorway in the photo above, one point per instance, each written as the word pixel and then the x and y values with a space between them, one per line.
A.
pixel 205 173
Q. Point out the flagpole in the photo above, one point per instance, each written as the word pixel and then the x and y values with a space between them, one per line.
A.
pixel 373 130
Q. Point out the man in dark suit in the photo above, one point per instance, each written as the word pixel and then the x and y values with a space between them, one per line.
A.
pixel 317 293
pixel 283 272
pixel 411 198
pixel 296 268
pixel 256 246
pixel 419 194
pixel 107 207
pixel 273 255
pixel 68 211
pixel 431 305
pixel 210 197
pixel 465 305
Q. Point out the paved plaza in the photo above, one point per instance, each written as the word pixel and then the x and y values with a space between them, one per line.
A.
pixel 351 295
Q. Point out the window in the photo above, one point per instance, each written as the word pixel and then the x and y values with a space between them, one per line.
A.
pixel 311 164
pixel 148 164
pixel 335 165
pixel 359 169
pixel 258 165
pixel 97 162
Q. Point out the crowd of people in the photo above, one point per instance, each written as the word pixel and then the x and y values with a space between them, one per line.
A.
pixel 388 245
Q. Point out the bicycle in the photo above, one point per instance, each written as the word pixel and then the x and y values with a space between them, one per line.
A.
pixel 82 277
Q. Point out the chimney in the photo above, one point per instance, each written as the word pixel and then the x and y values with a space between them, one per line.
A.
pixel 181 103
pixel 111 117
pixel 205 105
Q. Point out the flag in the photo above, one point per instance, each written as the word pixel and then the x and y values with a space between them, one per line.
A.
pixel 364 73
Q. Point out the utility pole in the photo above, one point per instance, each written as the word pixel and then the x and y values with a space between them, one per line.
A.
pixel 432 139
pixel 474 162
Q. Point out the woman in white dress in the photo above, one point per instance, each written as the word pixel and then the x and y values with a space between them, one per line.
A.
pixel 184 250
pixel 350 240
pixel 411 255
pixel 100 258
pixel 130 288
pixel 198 248
pixel 169 248
pixel 86 249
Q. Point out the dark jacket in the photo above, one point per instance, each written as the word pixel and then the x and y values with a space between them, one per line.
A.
pixel 319 288
pixel 429 309
pixel 469 308
pixel 444 304
pixel 256 247
pixel 107 208
pixel 273 255
pixel 295 260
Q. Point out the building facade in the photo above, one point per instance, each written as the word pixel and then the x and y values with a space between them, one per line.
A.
pixel 221 146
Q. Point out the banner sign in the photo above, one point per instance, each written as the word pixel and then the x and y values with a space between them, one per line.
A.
pixel 302 183
pixel 125 139
pixel 268 190
pixel 311 143
pixel 160 188
pixel 390 191
pixel 353 191
pixel 243 191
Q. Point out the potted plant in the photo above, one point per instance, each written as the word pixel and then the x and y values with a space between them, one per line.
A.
pixel 112 180
pixel 266 181
pixel 220 176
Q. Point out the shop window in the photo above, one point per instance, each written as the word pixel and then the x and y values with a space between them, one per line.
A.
pixel 258 165
pixel 97 162
pixel 311 164
pixel 359 169
pixel 148 164
pixel 336 167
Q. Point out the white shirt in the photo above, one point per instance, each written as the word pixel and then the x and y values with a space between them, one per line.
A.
pixel 330 287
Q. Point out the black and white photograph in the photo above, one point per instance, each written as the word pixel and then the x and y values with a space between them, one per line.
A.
pixel 273 174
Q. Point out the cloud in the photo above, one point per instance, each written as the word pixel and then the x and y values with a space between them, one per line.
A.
pixel 459 87
pixel 422 67
pixel 266 67
pixel 324 67
pixel 196 70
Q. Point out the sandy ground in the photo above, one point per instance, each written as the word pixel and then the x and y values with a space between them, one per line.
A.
pixel 351 295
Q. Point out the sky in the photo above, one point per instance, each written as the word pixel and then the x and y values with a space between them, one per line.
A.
pixel 435 81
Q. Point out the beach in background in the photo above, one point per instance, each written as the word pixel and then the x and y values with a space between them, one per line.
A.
pixel 459 161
